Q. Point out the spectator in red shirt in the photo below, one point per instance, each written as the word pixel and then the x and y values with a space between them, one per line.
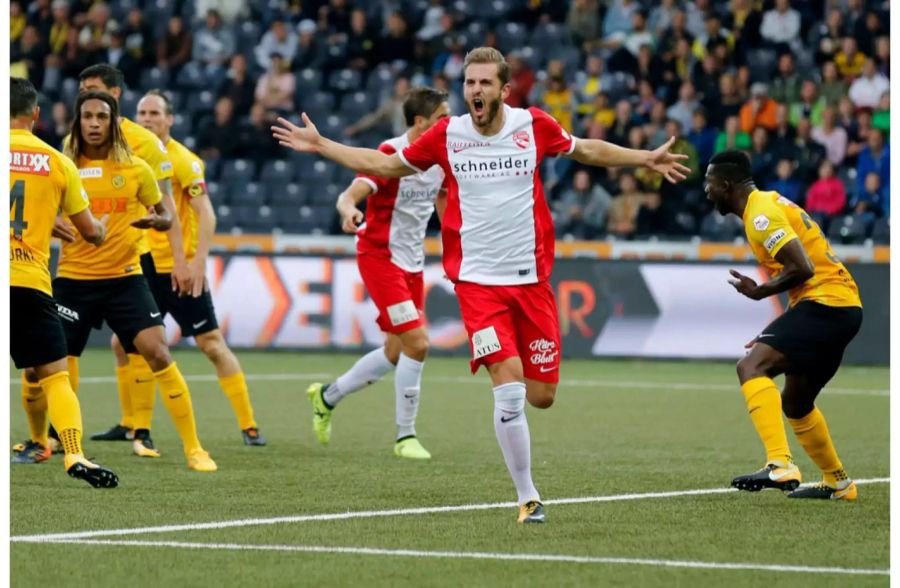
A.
pixel 521 80
pixel 827 194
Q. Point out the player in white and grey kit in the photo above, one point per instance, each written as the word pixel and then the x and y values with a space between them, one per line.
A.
pixel 391 258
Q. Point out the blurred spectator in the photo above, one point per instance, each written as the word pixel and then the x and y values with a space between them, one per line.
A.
pixel 832 87
pixel 807 153
pixel 59 127
pixel 784 135
pixel 809 105
pixel 618 17
pixel 729 103
pixel 229 10
pixel 781 24
pixel 786 85
pixel 360 42
pixel 440 82
pixel 17 20
pixel 866 90
pixel 655 128
pixel 450 61
pixel 762 159
pixel 881 118
pixel 59 30
pixel 40 16
pixel 94 36
pixel 696 11
pixel 334 17
pixel 858 132
pixel 872 29
pixel 702 137
pixel 214 44
pixel 623 209
pixel 219 137
pixel 396 46
pixel 759 111
pixel 876 157
pixel 649 67
pixel 827 194
pixel 827 36
pixel 389 113
pixel 117 55
pixel 618 132
pixel 868 202
pixel 559 102
pixel 309 53
pixel 602 113
pixel 583 22
pixel 431 21
pixel 238 86
pixel 652 219
pixel 712 37
pixel 521 80
pixel 833 137
pixel 849 60
pixel 883 55
pixel 683 111
pixel 139 38
pixel 785 183
pixel 275 89
pixel 646 100
pixel 581 211
pixel 745 22
pixel 29 56
pixel 278 39
pixel 175 49
pixel 732 137
pixel 677 31
pixel 255 137
pixel 661 17
pixel 706 77
pixel 631 42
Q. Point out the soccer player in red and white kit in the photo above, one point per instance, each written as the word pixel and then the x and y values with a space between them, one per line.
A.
pixel 391 258
pixel 497 236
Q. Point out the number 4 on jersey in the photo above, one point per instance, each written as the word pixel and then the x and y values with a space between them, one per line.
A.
pixel 17 199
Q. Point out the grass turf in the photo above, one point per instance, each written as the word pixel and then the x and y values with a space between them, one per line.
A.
pixel 617 427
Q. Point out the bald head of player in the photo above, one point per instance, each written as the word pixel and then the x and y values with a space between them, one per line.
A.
pixel 729 181
pixel 486 87
pixel 23 104
pixel 102 77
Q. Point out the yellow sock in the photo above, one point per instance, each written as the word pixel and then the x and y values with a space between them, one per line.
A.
pixel 764 404
pixel 125 381
pixel 177 398
pixel 72 366
pixel 143 392
pixel 65 412
pixel 812 433
pixel 34 401
pixel 235 388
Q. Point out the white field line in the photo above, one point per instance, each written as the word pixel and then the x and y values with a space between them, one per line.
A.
pixel 480 555
pixel 47 538
pixel 470 381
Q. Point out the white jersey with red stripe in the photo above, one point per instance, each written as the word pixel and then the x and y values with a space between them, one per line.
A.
pixel 497 229
pixel 398 211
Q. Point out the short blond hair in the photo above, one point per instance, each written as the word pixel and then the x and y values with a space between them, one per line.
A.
pixel 488 55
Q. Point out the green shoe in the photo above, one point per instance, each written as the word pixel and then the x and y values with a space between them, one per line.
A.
pixel 410 448
pixel 321 412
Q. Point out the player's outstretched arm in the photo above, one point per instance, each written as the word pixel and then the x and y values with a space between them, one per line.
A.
pixel 92 230
pixel 347 206
pixel 661 160
pixel 306 139
pixel 798 268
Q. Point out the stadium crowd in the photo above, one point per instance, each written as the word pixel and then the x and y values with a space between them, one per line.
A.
pixel 802 85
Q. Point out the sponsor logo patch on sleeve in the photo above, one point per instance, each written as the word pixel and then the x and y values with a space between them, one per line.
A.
pixel 774 239
pixel 761 223
pixel 402 312
pixel 165 166
pixel 485 342
pixel 195 167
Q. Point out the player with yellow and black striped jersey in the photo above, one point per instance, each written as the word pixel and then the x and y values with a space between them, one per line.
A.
pixel 194 314
pixel 806 343
pixel 106 78
pixel 107 286
pixel 41 182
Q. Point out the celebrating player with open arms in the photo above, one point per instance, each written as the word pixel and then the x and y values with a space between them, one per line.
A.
pixel 498 236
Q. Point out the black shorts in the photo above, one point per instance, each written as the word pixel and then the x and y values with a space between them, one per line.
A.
pixel 195 316
pixel 813 337
pixel 126 305
pixel 36 336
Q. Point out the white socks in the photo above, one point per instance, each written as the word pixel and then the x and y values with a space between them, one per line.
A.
pixel 511 427
pixel 370 368
pixel 407 382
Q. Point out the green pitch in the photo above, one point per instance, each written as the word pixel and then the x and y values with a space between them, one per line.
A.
pixel 617 428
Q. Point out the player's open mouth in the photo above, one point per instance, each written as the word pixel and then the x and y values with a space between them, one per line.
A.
pixel 478 105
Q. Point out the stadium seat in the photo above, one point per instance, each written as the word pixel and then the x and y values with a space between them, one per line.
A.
pixel 154 77
pixel 68 91
pixel 332 126
pixel 224 219
pixel 356 105
pixel 257 220
pixel 286 194
pixel 716 227
pixel 319 174
pixel 181 126
pixel 302 164
pixel 316 105
pixel 215 191
pixel 278 170
pixel 213 166
pixel 128 103
pixel 379 82
pixel 324 216
pixel 549 36
pixel 822 219
pixel 881 231
pixel 287 218
pixel 762 64
pixel 345 80
pixel 309 81
pixel 191 77
pixel 847 230
pixel 510 34
pixel 238 169
pixel 200 103
pixel 248 34
pixel 249 194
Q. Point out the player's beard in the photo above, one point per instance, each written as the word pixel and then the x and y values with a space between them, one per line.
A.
pixel 490 113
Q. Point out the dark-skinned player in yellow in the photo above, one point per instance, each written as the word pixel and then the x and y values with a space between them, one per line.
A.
pixel 806 343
